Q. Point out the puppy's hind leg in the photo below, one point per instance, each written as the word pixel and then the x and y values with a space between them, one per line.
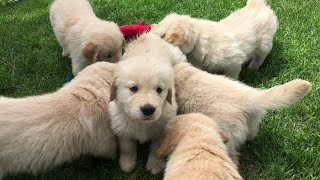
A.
pixel 254 120
pixel 258 60
pixel 261 54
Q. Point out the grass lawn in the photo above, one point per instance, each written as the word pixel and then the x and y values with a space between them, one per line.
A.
pixel 288 145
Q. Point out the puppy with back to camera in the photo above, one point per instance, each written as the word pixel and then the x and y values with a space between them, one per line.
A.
pixel 224 46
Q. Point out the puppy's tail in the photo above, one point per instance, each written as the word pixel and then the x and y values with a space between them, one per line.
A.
pixel 256 3
pixel 280 96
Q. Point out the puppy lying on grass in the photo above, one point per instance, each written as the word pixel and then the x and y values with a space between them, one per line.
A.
pixel 84 38
pixel 40 132
pixel 143 96
pixel 222 47
pixel 237 108
pixel 198 150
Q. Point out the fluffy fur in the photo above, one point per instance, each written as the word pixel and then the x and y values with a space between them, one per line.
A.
pixel 198 149
pixel 237 108
pixel 150 44
pixel 84 37
pixel 147 66
pixel 128 121
pixel 40 132
pixel 222 47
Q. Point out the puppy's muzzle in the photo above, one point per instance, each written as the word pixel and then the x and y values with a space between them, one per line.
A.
pixel 148 110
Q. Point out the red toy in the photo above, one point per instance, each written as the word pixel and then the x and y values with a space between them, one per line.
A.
pixel 133 30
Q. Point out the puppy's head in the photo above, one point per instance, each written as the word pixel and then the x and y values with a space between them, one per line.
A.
pixel 103 44
pixel 196 126
pixel 142 87
pixel 178 30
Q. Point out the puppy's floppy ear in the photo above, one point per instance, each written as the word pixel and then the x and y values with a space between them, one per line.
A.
pixel 113 91
pixel 169 96
pixel 174 38
pixel 224 136
pixel 90 51
pixel 179 34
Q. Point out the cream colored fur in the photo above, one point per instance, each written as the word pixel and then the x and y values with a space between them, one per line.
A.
pixel 198 150
pixel 152 45
pixel 40 132
pixel 237 108
pixel 147 65
pixel 84 37
pixel 223 47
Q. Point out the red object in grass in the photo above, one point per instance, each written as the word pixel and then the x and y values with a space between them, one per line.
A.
pixel 133 30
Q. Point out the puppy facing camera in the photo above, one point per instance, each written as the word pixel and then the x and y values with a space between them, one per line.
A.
pixel 143 96
pixel 142 104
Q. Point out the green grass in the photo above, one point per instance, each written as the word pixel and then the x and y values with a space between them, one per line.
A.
pixel 288 145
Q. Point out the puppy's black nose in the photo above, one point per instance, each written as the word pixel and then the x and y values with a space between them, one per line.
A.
pixel 147 109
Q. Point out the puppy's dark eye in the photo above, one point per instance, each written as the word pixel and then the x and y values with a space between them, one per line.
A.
pixel 134 89
pixel 159 90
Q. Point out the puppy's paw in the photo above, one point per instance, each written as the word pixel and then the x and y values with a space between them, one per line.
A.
pixel 155 165
pixel 127 163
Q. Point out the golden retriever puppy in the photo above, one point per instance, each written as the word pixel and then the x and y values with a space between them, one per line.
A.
pixel 222 47
pixel 143 96
pixel 143 105
pixel 198 150
pixel 237 108
pixel 40 132
pixel 84 38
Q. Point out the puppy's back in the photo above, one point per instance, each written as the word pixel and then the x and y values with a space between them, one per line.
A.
pixel 66 8
pixel 33 129
pixel 39 132
pixel 257 16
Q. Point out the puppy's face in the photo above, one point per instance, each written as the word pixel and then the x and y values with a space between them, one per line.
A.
pixel 103 47
pixel 142 87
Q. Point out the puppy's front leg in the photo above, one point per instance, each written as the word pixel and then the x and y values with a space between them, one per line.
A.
pixel 128 154
pixel 154 164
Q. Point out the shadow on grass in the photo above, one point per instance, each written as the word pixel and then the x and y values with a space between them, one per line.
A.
pixel 255 155
pixel 88 167
pixel 275 62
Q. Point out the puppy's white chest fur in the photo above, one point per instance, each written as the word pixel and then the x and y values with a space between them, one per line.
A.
pixel 127 128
